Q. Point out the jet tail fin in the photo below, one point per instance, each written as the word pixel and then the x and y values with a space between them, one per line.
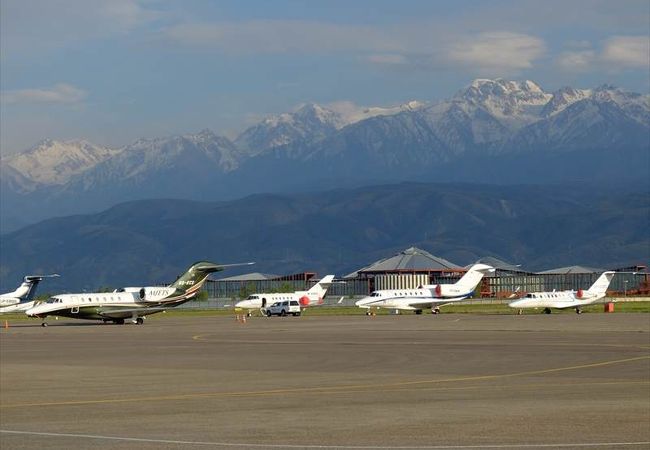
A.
pixel 601 284
pixel 472 277
pixel 27 290
pixel 321 287
pixel 192 280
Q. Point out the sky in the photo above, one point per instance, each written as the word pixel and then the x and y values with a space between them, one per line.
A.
pixel 117 70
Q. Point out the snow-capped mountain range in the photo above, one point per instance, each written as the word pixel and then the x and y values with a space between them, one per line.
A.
pixel 493 125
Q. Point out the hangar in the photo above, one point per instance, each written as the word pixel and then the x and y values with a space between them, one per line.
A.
pixel 243 285
pixel 410 268
pixel 414 267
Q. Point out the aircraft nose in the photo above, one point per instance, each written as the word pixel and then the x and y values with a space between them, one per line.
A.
pixel 516 303
pixel 361 302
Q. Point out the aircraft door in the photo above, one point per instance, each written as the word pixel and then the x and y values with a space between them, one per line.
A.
pixel 75 307
pixel 263 303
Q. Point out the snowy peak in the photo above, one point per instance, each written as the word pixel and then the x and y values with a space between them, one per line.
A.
pixel 308 123
pixel 608 93
pixel 311 123
pixel 564 97
pixel 163 153
pixel 307 114
pixel 503 96
pixel 635 105
pixel 525 90
pixel 55 162
pixel 352 113
pixel 317 114
pixel 513 103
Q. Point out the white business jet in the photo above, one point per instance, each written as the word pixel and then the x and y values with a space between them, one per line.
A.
pixel 566 299
pixel 23 297
pixel 428 296
pixel 312 297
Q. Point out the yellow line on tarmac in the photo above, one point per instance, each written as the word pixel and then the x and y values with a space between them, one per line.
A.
pixel 206 338
pixel 328 389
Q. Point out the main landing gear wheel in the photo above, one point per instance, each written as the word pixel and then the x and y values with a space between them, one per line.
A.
pixel 139 321
pixel 435 310
pixel 418 312
pixel 578 311
pixel 547 310
pixel 43 324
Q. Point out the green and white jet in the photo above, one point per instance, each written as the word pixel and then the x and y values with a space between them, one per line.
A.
pixel 132 304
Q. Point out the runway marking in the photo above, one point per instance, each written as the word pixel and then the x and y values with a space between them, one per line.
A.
pixel 202 338
pixel 345 447
pixel 330 389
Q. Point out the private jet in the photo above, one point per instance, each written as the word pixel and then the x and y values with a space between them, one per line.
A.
pixel 428 296
pixel 565 299
pixel 22 298
pixel 312 297
pixel 133 304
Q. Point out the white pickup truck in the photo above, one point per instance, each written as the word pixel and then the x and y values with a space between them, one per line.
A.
pixel 283 308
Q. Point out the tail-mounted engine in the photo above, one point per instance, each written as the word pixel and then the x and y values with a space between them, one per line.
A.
pixel 155 294
pixel 446 291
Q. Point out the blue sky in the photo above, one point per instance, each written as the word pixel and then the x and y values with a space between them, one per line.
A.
pixel 113 71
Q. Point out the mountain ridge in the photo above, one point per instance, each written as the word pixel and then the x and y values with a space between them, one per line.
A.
pixel 498 125
pixel 336 231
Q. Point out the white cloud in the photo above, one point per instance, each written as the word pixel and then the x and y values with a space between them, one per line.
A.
pixel 617 53
pixel 577 61
pixel 59 93
pixel 499 52
pixel 627 51
pixel 126 14
pixel 417 44
pixel 37 26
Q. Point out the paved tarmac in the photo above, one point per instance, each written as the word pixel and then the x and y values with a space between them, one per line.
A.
pixel 449 381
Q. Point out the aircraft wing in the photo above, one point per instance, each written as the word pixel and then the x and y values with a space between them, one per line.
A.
pixel 574 304
pixel 429 303
pixel 119 313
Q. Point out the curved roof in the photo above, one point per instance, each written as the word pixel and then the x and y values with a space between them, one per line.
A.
pixel 412 258
pixel 254 276
pixel 501 265
pixel 570 269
